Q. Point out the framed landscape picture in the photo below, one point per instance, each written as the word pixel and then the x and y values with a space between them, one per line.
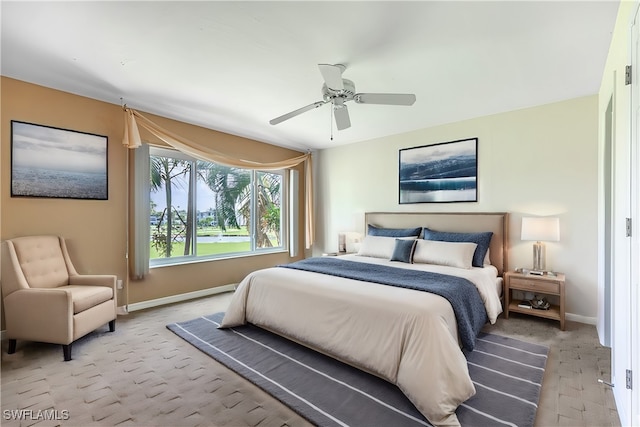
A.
pixel 439 173
pixel 57 163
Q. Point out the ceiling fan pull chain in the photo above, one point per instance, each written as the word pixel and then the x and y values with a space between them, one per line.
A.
pixel 331 122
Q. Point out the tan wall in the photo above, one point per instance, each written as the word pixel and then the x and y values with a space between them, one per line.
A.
pixel 96 229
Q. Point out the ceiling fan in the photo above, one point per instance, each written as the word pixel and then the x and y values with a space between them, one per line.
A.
pixel 339 91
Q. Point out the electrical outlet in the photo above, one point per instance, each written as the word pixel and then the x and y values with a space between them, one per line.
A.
pixel 119 284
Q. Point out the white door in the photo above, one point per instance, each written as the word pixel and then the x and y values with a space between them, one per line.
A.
pixel 625 247
pixel 634 288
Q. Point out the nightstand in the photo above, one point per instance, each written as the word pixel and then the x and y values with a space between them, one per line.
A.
pixel 539 285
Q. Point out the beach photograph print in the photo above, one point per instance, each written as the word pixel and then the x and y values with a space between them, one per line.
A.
pixel 439 173
pixel 57 163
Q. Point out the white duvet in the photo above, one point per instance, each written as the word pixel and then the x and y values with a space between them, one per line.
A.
pixel 405 336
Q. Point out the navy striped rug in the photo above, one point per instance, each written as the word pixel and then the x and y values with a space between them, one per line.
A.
pixel 507 374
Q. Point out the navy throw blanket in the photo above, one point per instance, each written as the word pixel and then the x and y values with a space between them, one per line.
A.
pixel 461 293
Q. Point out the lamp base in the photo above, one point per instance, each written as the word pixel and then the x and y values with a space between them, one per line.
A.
pixel 539 253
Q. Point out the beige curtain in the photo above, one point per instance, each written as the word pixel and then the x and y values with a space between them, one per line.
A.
pixel 132 139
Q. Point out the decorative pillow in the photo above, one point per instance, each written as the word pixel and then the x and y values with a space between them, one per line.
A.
pixel 453 254
pixel 482 239
pixel 379 246
pixel 403 250
pixel 372 230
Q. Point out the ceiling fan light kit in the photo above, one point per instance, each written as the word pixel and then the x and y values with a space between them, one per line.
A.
pixel 338 91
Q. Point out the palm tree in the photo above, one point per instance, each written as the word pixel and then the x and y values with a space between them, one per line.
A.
pixel 163 171
pixel 268 208
pixel 230 185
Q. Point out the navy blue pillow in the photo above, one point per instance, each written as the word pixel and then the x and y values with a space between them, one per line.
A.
pixel 403 251
pixel 482 239
pixel 372 230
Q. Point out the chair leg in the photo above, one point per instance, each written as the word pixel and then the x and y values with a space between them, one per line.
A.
pixel 12 346
pixel 66 350
pixel 112 325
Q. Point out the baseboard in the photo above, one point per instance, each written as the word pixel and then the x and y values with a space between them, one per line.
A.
pixel 180 297
pixel 581 319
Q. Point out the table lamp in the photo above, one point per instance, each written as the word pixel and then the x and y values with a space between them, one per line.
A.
pixel 540 230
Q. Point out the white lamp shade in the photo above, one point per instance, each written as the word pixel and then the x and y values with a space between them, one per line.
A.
pixel 541 229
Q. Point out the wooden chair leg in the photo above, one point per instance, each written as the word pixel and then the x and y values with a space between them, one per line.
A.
pixel 112 325
pixel 66 350
pixel 12 346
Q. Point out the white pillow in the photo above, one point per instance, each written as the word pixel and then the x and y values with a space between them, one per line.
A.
pixel 379 246
pixel 487 258
pixel 453 254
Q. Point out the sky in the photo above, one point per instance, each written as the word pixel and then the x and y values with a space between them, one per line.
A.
pixel 179 198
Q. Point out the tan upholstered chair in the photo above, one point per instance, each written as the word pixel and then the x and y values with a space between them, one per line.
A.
pixel 46 300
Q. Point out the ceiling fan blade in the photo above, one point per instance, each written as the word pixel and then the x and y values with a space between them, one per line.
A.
pixel 385 98
pixel 341 116
pixel 332 75
pixel 296 112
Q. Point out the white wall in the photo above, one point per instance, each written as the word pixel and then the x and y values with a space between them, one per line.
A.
pixel 535 161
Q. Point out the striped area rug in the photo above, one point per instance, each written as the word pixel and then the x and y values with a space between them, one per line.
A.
pixel 507 374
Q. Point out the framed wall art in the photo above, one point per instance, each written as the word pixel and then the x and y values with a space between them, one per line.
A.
pixel 57 163
pixel 439 173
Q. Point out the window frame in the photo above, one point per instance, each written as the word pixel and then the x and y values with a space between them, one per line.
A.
pixel 156 151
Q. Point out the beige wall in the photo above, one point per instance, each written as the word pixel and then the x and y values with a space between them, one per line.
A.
pixel 535 161
pixel 96 230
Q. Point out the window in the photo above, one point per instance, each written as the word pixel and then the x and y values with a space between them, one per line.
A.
pixel 202 210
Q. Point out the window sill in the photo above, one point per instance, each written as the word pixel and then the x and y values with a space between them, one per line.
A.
pixel 171 262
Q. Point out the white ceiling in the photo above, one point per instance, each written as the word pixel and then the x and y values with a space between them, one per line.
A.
pixel 233 66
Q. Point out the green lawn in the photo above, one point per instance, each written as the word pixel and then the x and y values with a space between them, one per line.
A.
pixel 213 248
pixel 206 248
pixel 216 231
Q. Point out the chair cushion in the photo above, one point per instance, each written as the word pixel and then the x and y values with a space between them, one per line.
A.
pixel 41 260
pixel 85 297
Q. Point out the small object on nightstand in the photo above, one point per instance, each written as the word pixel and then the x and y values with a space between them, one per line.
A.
pixel 337 253
pixel 540 303
pixel 524 304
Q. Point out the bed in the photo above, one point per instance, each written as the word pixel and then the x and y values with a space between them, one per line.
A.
pixel 393 330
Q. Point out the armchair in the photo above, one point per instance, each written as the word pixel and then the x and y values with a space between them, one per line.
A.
pixel 46 300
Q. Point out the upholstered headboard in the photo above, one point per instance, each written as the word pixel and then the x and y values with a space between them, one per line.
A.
pixel 463 222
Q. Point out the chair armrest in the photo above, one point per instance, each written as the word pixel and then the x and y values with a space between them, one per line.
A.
pixel 39 303
pixel 40 299
pixel 40 314
pixel 107 280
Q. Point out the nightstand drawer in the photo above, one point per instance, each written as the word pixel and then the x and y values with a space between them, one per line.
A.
pixel 534 285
